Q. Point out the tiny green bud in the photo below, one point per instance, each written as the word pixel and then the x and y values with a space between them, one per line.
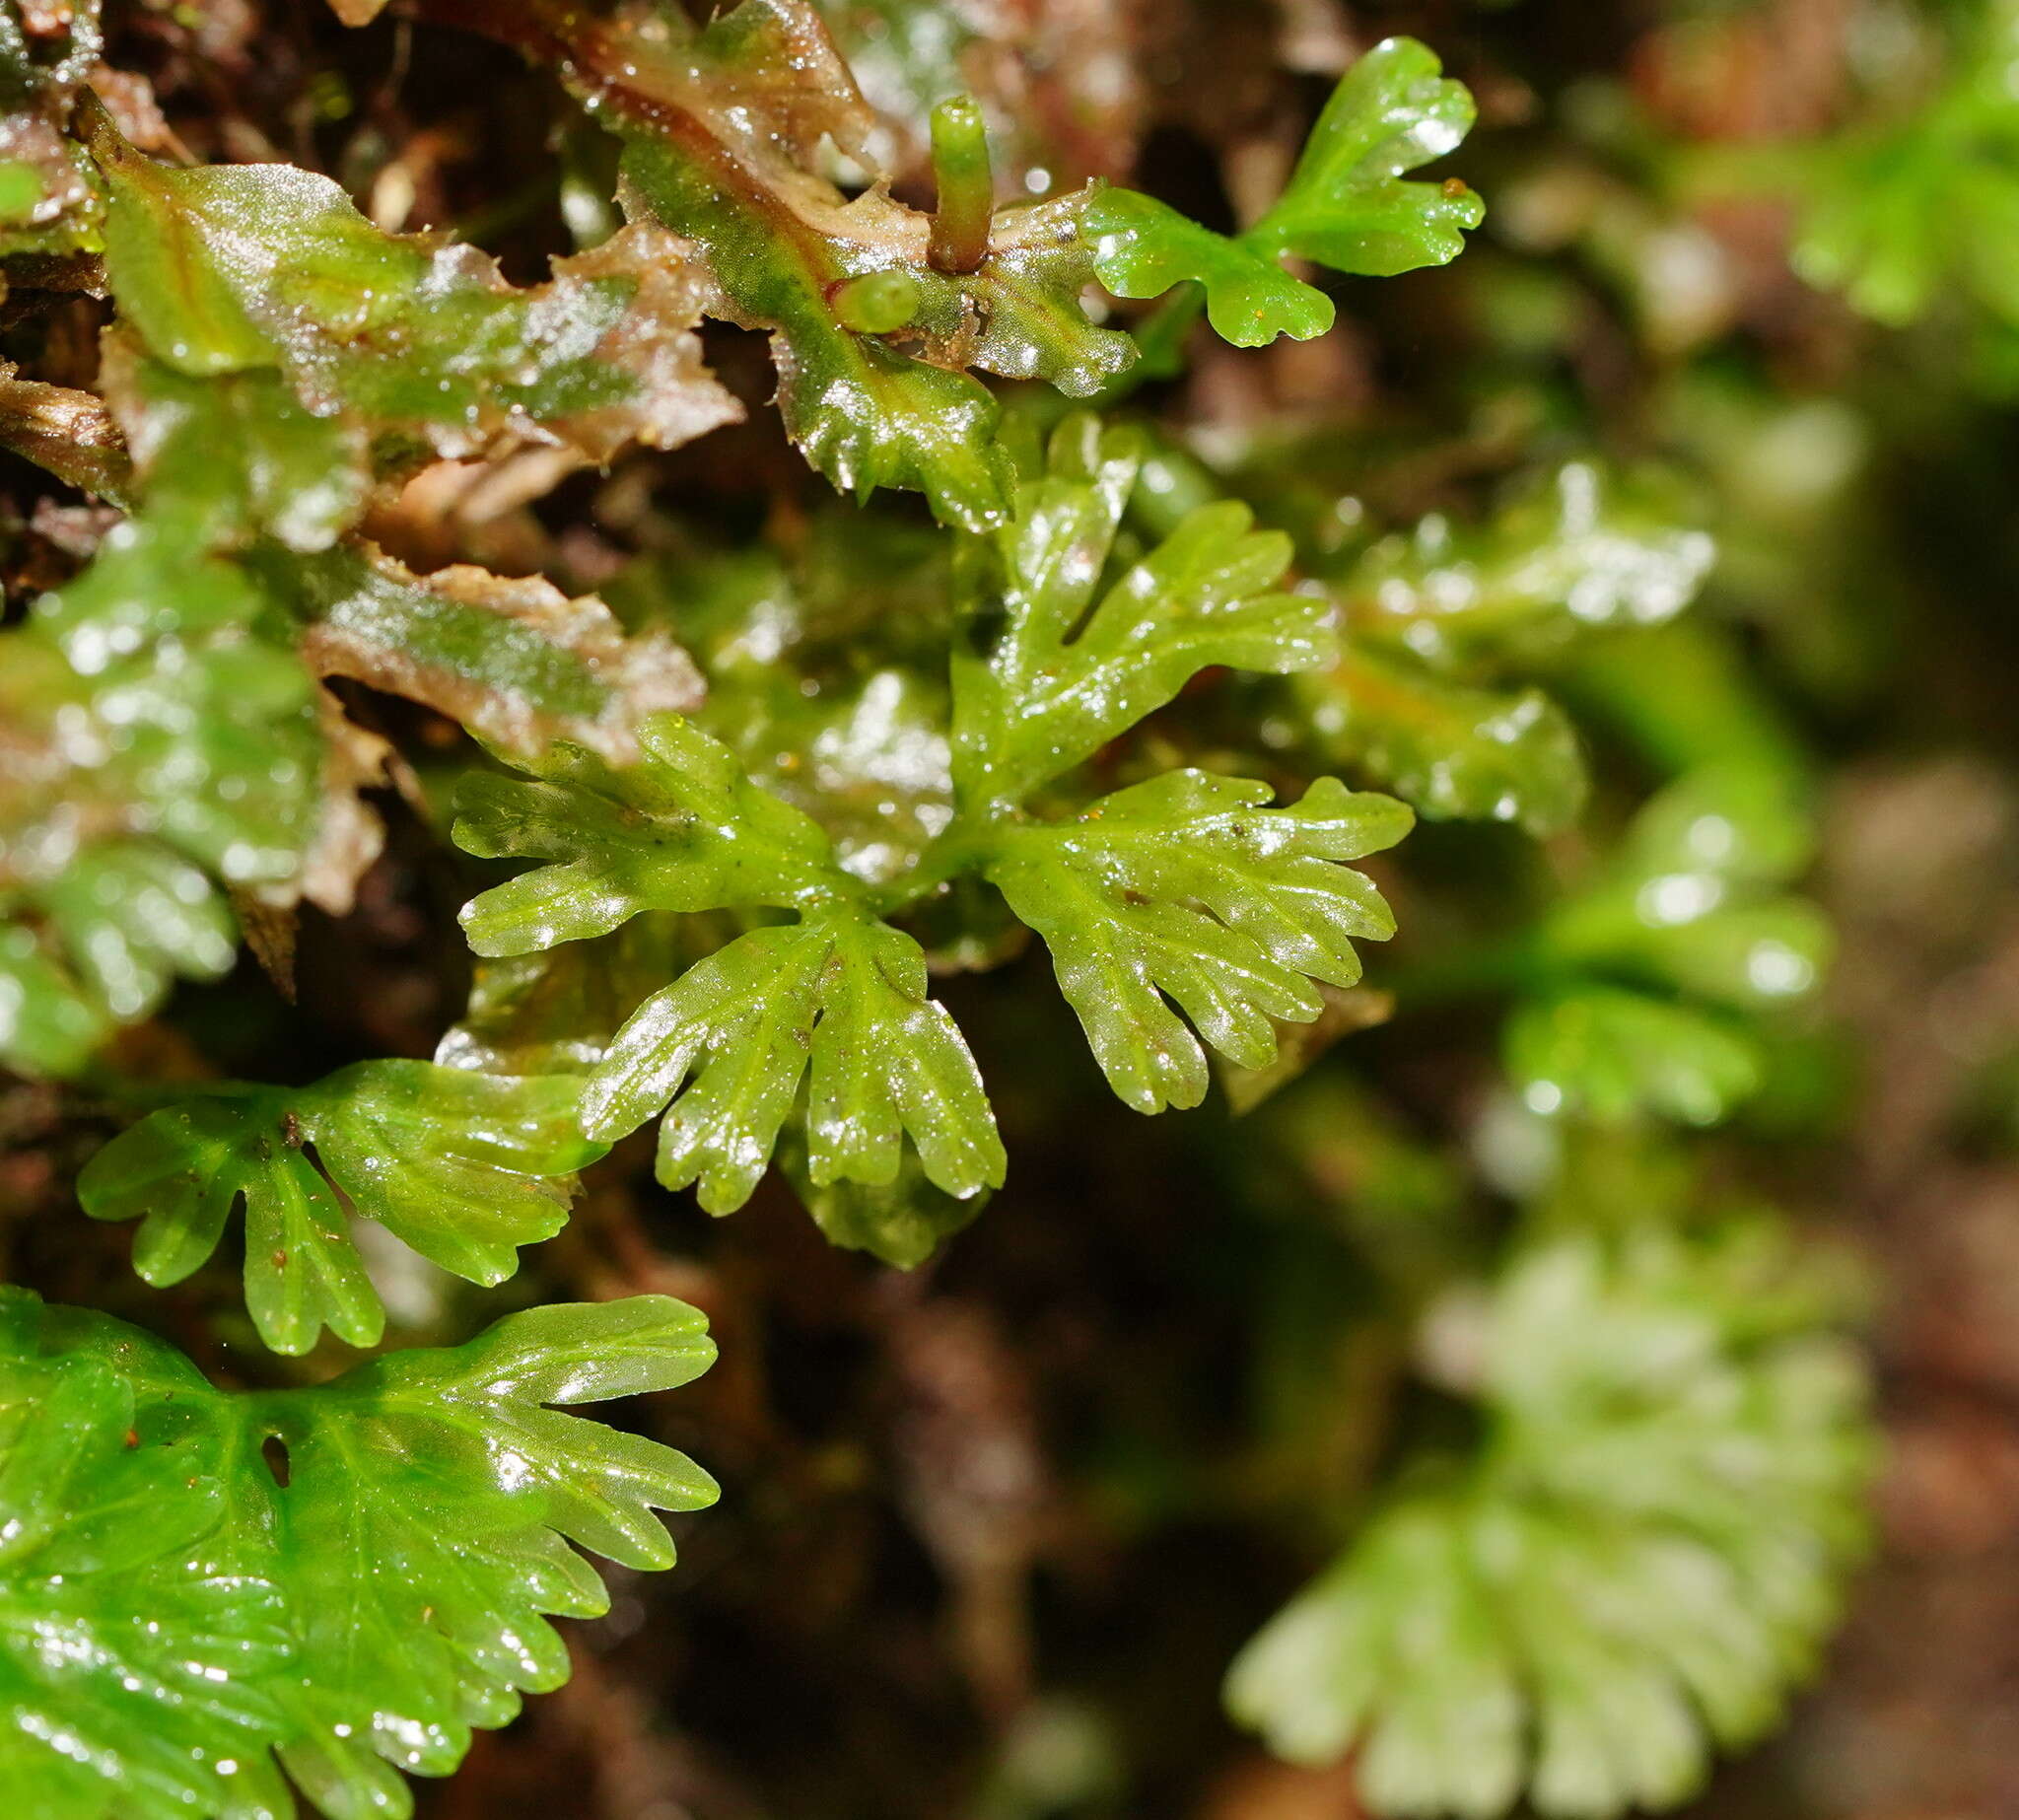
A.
pixel 878 302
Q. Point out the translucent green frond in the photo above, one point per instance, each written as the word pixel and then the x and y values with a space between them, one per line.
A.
pixel 1346 206
pixel 425 1525
pixel 837 992
pixel 684 829
pixel 903 1221
pixel 166 742
pixel 1187 889
pixel 1636 1573
pixel 1656 960
pixel 1449 749
pixel 1070 643
pixel 463 1167
pixel 1608 1054
pixel 1144 248
pixel 1902 213
pixel 1582 553
pixel 348 1577
pixel 139 1664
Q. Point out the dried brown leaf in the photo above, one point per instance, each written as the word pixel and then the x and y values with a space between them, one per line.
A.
pixel 677 399
pixel 66 432
pixel 349 835
pixel 513 659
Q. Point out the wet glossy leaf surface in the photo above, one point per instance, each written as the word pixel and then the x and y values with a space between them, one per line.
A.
pixel 235 454
pixel 1188 888
pixel 1346 206
pixel 836 993
pixel 808 753
pixel 1071 644
pixel 463 1167
pixel 685 830
pixel 1580 554
pixel 1655 961
pixel 136 1659
pixel 250 269
pixel 825 663
pixel 1144 248
pixel 720 128
pixel 513 659
pixel 1602 1053
pixel 181 1614
pixel 426 1522
pixel 1449 749
pixel 1693 902
pixel 155 739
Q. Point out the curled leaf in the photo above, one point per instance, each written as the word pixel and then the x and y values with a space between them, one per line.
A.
pixel 230 269
pixel 513 659
pixel 68 433
pixel 721 128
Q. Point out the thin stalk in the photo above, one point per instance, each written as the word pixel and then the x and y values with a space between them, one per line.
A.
pixel 967 188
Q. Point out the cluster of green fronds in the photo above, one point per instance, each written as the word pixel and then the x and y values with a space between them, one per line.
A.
pixel 754 811
pixel 1643 1557
pixel 1901 211
pixel 1904 198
